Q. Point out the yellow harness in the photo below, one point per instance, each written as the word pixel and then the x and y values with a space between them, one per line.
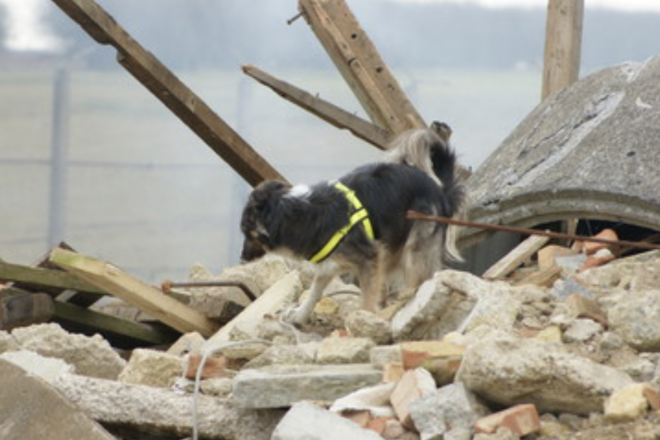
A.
pixel 359 215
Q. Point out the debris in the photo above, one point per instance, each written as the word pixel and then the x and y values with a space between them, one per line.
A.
pixel 627 404
pixel 334 350
pixel 413 385
pixel 279 386
pixel 152 368
pixel 26 400
pixel 519 419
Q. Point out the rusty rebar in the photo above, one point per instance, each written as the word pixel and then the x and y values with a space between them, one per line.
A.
pixel 413 215
pixel 168 285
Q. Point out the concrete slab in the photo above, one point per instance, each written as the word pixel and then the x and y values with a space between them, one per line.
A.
pixel 31 409
pixel 589 151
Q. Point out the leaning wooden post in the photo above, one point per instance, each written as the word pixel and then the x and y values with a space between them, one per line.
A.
pixel 563 41
pixel 171 91
pixel 358 61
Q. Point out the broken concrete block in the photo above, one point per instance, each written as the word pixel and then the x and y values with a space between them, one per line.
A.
pixel 438 412
pixel 160 411
pixel 91 356
pixel 363 324
pixel 278 386
pixel 285 354
pixel 385 354
pixel 46 368
pixel 440 357
pixel 188 343
pixel 218 387
pixel 335 350
pixel 547 256
pixel 582 330
pixel 579 306
pixel 32 409
pixel 436 309
pixel 520 419
pixel 550 334
pixel 636 319
pixel 508 370
pixel 413 385
pixel 152 368
pixel 627 404
pixel 306 421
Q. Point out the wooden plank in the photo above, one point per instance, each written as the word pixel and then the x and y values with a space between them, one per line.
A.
pixel 133 291
pixel 330 113
pixel 171 91
pixel 516 257
pixel 357 59
pixel 563 45
pixel 46 280
pixel 119 332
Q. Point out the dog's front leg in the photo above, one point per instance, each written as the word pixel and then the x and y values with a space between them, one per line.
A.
pixel 371 283
pixel 301 314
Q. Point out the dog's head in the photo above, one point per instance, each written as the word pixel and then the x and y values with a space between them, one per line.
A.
pixel 258 216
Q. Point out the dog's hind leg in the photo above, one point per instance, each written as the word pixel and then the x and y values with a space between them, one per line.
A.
pixel 422 255
pixel 325 274
pixel 370 273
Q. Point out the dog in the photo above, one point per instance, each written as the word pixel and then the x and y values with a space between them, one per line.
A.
pixel 358 223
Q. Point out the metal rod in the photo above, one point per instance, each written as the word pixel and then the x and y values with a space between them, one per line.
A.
pixel 168 285
pixel 413 215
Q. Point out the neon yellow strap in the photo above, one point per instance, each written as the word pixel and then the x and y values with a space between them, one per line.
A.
pixel 360 215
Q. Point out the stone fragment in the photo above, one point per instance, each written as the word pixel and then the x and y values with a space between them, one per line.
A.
pixel 158 411
pixel 579 306
pixel 393 429
pixel 91 356
pixel 363 324
pixel 218 387
pixel 602 256
pixel 278 386
pixel 636 320
pixel 520 419
pixel 152 368
pixel 627 404
pixel 285 354
pixel 550 334
pixel 32 409
pixel 509 370
pixel 46 368
pixel 436 309
pixel 334 350
pixel 385 354
pixel 547 256
pixel 450 407
pixel 413 385
pixel 306 421
pixel 582 330
pixel 188 343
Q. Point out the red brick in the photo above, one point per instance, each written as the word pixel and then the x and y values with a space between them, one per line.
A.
pixel 361 417
pixel 213 367
pixel 413 385
pixel 520 419
pixel 591 247
pixel 378 424
pixel 653 397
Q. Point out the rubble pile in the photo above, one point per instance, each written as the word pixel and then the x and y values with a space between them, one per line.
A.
pixel 572 355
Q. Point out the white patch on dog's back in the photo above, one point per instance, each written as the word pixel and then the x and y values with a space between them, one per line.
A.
pixel 299 192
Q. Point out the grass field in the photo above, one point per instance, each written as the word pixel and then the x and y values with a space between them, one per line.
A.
pixel 145 193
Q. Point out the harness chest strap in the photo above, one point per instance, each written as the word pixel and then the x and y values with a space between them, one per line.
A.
pixel 360 215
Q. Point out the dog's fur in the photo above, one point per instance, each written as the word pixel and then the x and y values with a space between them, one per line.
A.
pixel 418 174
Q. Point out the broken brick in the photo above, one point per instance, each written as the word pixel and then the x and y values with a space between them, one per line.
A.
pixel 590 247
pixel 213 367
pixel 393 372
pixel 520 419
pixel 413 385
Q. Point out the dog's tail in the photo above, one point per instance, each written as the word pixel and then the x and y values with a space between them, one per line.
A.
pixel 429 150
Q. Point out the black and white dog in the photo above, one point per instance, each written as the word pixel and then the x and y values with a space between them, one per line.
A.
pixel 358 224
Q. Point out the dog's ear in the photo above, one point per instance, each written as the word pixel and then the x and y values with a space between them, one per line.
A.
pixel 267 190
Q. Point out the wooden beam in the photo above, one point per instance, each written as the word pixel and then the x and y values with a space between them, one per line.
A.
pixel 515 257
pixel 563 41
pixel 46 280
pixel 330 113
pixel 135 292
pixel 119 332
pixel 171 91
pixel 360 64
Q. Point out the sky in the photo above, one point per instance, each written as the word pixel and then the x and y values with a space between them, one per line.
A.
pixel 28 33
